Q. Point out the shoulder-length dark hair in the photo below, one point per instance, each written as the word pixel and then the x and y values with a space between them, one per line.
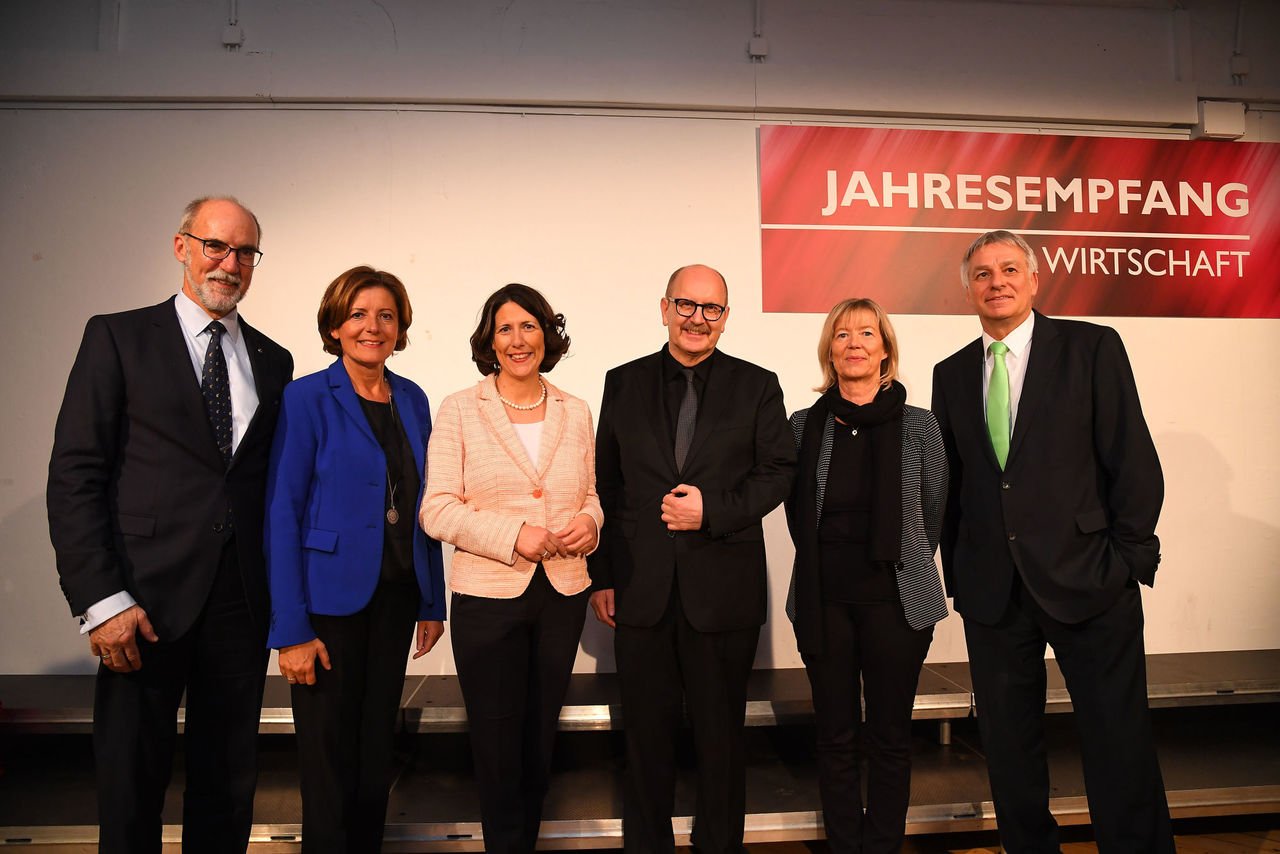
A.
pixel 335 305
pixel 555 343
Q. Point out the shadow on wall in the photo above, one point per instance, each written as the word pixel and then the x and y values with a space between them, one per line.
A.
pixel 596 646
pixel 38 635
pixel 1228 603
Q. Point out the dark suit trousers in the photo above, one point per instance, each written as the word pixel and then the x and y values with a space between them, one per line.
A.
pixel 221 663
pixel 661 668
pixel 870 652
pixel 346 722
pixel 1103 662
pixel 514 659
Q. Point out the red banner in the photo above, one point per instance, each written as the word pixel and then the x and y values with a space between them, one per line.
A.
pixel 1122 227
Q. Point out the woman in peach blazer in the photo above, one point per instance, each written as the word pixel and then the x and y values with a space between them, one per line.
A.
pixel 511 485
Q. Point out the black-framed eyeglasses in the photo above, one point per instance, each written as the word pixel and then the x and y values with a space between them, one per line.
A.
pixel 687 307
pixel 216 250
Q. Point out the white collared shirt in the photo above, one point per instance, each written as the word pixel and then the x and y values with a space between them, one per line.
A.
pixel 1015 361
pixel 194 321
pixel 244 394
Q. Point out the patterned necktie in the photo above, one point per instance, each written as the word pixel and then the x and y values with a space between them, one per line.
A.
pixel 216 388
pixel 998 403
pixel 686 419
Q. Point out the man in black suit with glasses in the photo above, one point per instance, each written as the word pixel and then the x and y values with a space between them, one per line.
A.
pixel 692 451
pixel 156 488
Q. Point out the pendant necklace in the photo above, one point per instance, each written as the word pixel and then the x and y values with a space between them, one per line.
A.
pixel 393 515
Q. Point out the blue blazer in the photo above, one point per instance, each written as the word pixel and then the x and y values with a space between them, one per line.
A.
pixel 326 490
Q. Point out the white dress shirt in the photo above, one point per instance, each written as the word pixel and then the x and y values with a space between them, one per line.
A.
pixel 1015 361
pixel 244 394
pixel 194 321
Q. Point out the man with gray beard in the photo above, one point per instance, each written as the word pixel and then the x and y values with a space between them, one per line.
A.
pixel 156 490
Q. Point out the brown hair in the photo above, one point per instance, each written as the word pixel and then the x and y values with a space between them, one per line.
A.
pixel 888 367
pixel 554 342
pixel 335 305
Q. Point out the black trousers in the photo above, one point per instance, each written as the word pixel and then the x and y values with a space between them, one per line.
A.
pixel 869 653
pixel 1103 662
pixel 221 663
pixel 661 668
pixel 345 722
pixel 514 659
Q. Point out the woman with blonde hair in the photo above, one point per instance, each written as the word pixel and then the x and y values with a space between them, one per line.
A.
pixel 865 514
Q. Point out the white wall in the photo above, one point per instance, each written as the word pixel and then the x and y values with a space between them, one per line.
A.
pixel 474 144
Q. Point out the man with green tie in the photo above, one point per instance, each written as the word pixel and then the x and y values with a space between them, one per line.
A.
pixel 1049 528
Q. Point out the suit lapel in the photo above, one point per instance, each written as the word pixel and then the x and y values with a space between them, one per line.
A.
pixel 645 400
pixel 716 396
pixel 494 412
pixel 1046 348
pixel 345 395
pixel 969 401
pixel 824 460
pixel 263 381
pixel 175 364
pixel 552 427
pixel 408 419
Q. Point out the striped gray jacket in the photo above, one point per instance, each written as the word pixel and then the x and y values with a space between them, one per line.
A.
pixel 924 494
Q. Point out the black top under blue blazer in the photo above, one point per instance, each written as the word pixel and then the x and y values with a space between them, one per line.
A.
pixel 924 492
pixel 326 499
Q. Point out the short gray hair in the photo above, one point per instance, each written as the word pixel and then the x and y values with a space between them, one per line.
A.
pixel 992 237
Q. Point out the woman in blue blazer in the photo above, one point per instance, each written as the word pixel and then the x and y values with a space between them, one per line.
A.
pixel 349 568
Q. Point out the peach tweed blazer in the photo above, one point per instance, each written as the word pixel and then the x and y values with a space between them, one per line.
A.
pixel 481 487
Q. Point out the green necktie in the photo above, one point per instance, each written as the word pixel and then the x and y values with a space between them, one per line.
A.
pixel 998 403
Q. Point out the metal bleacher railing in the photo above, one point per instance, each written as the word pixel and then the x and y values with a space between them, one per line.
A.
pixel 1225 764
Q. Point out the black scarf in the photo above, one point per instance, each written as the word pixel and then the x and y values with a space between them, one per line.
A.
pixel 882 418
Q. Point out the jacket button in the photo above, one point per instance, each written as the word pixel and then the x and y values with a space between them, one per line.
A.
pixel 537 493
pixel 1013 537
pixel 671 534
pixel 217 527
pixel 1004 484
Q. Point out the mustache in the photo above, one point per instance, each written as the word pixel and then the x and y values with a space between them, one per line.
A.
pixel 701 328
pixel 224 277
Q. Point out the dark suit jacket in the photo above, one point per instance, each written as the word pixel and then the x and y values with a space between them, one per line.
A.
pixel 1074 512
pixel 742 459
pixel 326 500
pixel 138 491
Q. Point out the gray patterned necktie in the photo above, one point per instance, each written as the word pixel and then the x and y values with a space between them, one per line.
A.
pixel 215 385
pixel 686 419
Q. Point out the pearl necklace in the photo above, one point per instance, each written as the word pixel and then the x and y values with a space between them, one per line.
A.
pixel 524 408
